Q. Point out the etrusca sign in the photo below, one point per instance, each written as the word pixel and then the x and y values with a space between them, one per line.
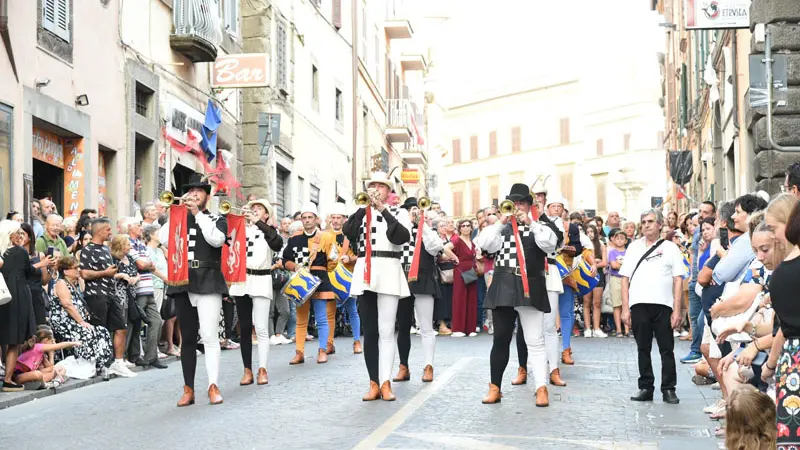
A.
pixel 240 71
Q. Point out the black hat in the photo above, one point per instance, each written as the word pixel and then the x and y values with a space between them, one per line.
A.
pixel 410 203
pixel 520 192
pixel 197 182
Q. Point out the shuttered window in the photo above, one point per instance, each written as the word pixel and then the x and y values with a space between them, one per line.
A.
pixel 458 204
pixel 456 151
pixel 493 143
pixel 475 192
pixel 626 142
pixel 281 188
pixel 55 17
pixel 232 17
pixel 281 80
pixel 336 16
pixel 516 140
pixel 600 187
pixel 599 147
pixel 564 128
pixel 473 148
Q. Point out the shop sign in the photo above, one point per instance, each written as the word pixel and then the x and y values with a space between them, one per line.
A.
pixel 410 176
pixel 717 14
pixel 74 181
pixel 182 117
pixel 101 185
pixel 48 147
pixel 243 70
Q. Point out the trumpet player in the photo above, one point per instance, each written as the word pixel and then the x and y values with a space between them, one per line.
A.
pixel 518 287
pixel 378 278
pixel 253 297
pixel 198 303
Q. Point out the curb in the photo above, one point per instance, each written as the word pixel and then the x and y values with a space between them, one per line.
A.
pixel 10 399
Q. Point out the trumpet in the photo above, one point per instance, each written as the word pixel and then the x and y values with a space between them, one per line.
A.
pixel 507 208
pixel 363 199
pixel 167 199
pixel 424 203
pixel 226 207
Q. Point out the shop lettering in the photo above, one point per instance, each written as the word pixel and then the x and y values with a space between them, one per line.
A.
pixel 734 12
pixel 242 70
pixel 226 72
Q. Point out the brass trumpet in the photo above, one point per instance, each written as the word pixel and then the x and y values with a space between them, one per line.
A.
pixel 507 208
pixel 424 203
pixel 363 199
pixel 226 207
pixel 167 199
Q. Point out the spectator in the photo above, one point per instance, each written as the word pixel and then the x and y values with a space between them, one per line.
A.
pixel 137 190
pixel 83 240
pixel 612 222
pixel 35 363
pixel 98 271
pixel 37 218
pixel 465 296
pixel 48 207
pixel 125 281
pixel 17 318
pixel 436 207
pixel 696 319
pixel 443 307
pixel 39 276
pixel 592 302
pixel 672 221
pixel 52 237
pixel 157 254
pixel 792 183
pixel 741 253
pixel 149 214
pixel 629 228
pixel 15 216
pixel 750 420
pixel 70 234
pixel 616 256
pixel 85 220
pixel 296 216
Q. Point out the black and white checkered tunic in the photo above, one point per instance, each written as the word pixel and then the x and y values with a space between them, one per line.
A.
pixel 362 246
pixel 301 256
pixel 408 249
pixel 251 241
pixel 192 236
pixel 507 255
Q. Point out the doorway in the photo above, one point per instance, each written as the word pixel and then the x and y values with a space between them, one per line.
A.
pixel 48 182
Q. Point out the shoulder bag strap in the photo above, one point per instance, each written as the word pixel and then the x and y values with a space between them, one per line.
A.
pixel 646 254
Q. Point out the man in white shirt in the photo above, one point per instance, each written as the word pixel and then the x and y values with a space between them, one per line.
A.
pixel 652 290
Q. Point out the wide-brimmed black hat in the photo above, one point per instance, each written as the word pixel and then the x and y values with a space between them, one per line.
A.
pixel 520 192
pixel 197 182
pixel 410 203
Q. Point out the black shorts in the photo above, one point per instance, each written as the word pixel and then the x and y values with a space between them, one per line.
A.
pixel 106 312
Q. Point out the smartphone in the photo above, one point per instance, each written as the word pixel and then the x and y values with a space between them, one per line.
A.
pixel 723 238
pixel 50 251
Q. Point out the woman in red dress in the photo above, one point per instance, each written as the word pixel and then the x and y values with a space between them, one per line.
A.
pixel 465 296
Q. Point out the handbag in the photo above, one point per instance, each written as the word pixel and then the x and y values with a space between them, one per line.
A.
pixel 480 267
pixel 5 294
pixel 279 278
pixel 607 307
pixel 469 276
pixel 446 276
pixel 168 310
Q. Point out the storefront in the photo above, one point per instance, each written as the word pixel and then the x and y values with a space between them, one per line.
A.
pixel 58 170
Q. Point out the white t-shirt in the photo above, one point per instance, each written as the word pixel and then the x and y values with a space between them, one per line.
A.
pixel 653 280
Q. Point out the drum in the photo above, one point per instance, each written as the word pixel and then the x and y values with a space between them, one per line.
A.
pixel 582 276
pixel 340 281
pixel 301 286
pixel 562 267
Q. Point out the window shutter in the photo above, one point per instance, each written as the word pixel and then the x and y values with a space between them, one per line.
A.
pixel 456 151
pixel 516 140
pixel 49 15
pixel 564 131
pixel 493 143
pixel 458 203
pixel 336 18
pixel 473 148
pixel 280 58
pixel 599 147
pixel 55 17
pixel 626 142
pixel 232 17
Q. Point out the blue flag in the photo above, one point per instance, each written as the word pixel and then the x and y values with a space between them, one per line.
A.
pixel 209 131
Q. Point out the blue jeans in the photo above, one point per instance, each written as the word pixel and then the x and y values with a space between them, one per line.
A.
pixel 321 318
pixel 566 310
pixel 481 297
pixel 291 324
pixel 351 308
pixel 696 317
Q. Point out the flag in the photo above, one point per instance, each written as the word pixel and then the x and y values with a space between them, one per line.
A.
pixel 234 251
pixel 177 247
pixel 209 131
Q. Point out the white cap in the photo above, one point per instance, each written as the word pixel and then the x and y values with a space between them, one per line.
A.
pixel 380 177
pixel 556 198
pixel 309 207
pixel 338 209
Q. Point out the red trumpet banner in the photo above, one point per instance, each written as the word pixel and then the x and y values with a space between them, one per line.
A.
pixel 178 247
pixel 234 251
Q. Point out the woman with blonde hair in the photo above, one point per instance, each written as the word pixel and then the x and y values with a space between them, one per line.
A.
pixel 125 286
pixel 751 420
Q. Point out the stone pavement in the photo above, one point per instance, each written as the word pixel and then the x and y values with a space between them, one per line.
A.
pixel 319 407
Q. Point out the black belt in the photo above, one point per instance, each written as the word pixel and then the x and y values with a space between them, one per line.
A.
pixel 259 271
pixel 382 254
pixel 195 264
pixel 514 270
pixel 551 260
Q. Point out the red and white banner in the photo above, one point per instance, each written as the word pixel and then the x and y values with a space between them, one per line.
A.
pixel 234 252
pixel 177 247
pixel 717 14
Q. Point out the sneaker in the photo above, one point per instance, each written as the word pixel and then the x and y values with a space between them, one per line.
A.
pixel 273 340
pixel 120 370
pixel 587 333
pixel 284 340
pixel 12 387
pixel 675 333
pixel 162 355
pixel 599 334
pixel 230 345
pixel 477 329
pixel 715 386
pixel 692 358
pixel 710 409
pixel 413 330
pixel 491 329
pixel 473 334
pixel 702 381
pixel 128 364
pixel 684 333
pixel 104 374
pixel 458 334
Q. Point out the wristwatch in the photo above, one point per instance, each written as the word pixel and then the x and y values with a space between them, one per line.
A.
pixel 752 330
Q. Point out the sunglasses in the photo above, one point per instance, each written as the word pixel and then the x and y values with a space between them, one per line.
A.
pixel 466 225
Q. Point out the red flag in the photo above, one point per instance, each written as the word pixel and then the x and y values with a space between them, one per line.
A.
pixel 177 247
pixel 234 252
pixel 413 273
pixel 368 244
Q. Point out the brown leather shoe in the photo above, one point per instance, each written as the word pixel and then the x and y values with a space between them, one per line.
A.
pixel 386 392
pixel 542 397
pixel 403 374
pixel 247 378
pixel 555 378
pixel 322 357
pixel 427 374
pixel 331 349
pixel 373 394
pixel 444 331
pixel 357 350
pixel 522 377
pixel 299 358
pixel 214 397
pixel 187 398
pixel 494 395
pixel 262 376
pixel 566 357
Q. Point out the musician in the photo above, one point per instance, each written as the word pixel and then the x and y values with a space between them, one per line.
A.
pixel 507 293
pixel 342 252
pixel 379 232
pixel 199 302
pixel 309 250
pixel 566 297
pixel 423 290
pixel 253 297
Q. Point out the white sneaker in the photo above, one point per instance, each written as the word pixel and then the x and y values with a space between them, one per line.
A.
pixel 587 333
pixel 710 409
pixel 477 329
pixel 599 334
pixel 458 334
pixel 435 333
pixel 273 340
pixel 162 355
pixel 473 334
pixel 284 340
pixel 128 364
pixel 684 333
pixel 491 329
pixel 120 370
pixel 675 334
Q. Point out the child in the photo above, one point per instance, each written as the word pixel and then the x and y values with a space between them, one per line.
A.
pixel 32 365
pixel 616 254
pixel 750 420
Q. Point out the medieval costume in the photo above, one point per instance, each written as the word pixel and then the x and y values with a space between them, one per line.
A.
pixel 253 297
pixel 424 286
pixel 379 280
pixel 518 287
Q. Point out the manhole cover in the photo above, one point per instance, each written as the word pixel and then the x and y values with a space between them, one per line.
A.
pixel 674 431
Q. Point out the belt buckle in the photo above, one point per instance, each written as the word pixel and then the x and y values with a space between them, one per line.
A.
pixel 194 264
pixel 518 271
pixel 407 267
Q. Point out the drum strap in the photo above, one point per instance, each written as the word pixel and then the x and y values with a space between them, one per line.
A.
pixel 314 248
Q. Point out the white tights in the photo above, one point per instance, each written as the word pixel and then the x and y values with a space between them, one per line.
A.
pixel 208 308
pixel 551 332
pixel 423 307
pixel 387 314
pixel 261 325
pixel 532 321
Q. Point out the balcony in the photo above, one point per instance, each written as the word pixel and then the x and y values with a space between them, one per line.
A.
pixel 398 28
pixel 400 125
pixel 415 155
pixel 198 30
pixel 413 61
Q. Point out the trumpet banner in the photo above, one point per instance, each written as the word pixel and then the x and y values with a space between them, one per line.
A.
pixel 234 251
pixel 177 247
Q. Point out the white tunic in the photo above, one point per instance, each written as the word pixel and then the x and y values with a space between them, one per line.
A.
pixel 553 278
pixel 259 257
pixel 387 275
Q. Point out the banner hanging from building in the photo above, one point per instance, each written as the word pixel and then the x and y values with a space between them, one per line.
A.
pixel 717 14
pixel 101 184
pixel 74 180
pixel 48 147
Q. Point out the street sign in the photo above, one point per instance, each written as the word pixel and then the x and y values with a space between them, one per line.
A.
pixel 758 80
pixel 410 176
pixel 244 70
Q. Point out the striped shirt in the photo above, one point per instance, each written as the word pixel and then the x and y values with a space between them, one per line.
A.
pixel 139 252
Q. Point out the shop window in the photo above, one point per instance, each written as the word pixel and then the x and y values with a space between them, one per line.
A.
pixel 6 140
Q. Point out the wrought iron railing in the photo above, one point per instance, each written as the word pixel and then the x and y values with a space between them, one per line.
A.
pixel 198 18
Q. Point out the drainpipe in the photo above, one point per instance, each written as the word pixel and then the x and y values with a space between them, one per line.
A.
pixel 734 56
pixel 6 37
pixel 354 63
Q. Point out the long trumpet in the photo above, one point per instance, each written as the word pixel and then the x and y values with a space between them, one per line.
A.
pixel 507 208
pixel 167 199
pixel 226 207
pixel 363 199
pixel 424 203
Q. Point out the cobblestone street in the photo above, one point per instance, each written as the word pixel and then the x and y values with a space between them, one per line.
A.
pixel 319 407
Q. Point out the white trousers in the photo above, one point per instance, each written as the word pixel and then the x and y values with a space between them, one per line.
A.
pixel 423 307
pixel 532 321
pixel 387 314
pixel 551 332
pixel 261 324
pixel 208 308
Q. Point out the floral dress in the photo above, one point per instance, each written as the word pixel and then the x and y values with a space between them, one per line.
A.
pixel 96 341
pixel 124 292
